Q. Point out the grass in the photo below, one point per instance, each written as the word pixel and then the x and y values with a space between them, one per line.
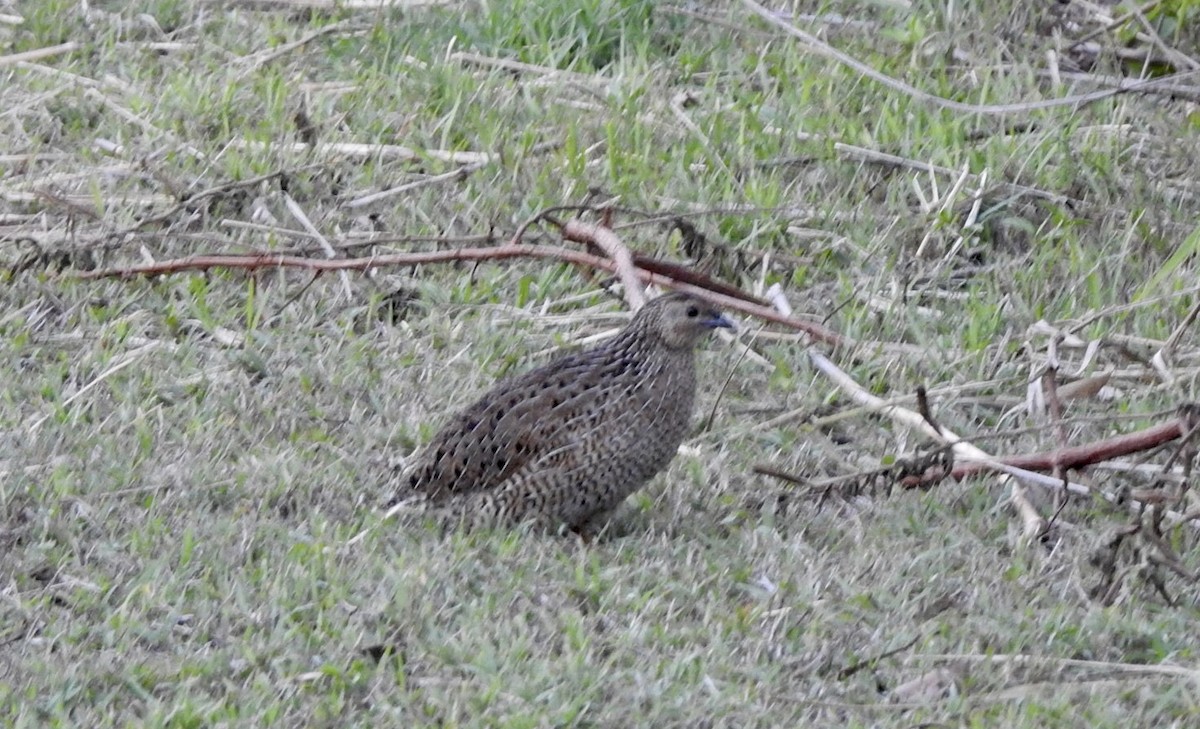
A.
pixel 183 459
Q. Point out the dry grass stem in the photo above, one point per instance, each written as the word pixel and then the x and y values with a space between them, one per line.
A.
pixel 355 150
pixel 38 54
pixel 326 248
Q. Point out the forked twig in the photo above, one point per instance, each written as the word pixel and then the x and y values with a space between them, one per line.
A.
pixel 721 295
pixel 1033 523
pixel 608 241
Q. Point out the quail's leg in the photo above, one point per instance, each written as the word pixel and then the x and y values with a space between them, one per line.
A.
pixel 604 523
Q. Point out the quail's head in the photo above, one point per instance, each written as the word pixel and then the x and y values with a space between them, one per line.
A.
pixel 680 320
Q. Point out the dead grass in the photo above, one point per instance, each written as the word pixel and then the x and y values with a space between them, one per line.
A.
pixel 183 459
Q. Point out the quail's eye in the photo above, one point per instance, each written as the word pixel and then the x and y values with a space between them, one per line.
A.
pixel 693 312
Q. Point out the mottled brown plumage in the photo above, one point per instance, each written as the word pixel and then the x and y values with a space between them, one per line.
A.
pixel 564 444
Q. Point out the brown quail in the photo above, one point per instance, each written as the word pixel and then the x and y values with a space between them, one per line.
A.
pixel 564 444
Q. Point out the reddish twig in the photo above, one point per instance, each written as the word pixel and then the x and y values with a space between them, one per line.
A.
pixel 683 273
pixel 1083 455
pixel 728 298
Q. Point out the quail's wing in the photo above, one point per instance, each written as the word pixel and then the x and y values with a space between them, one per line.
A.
pixel 517 423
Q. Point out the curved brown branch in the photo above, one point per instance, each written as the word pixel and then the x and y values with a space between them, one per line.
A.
pixel 734 300
pixel 1060 460
pixel 1084 455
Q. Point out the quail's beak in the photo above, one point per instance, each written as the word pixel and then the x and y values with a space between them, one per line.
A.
pixel 715 320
